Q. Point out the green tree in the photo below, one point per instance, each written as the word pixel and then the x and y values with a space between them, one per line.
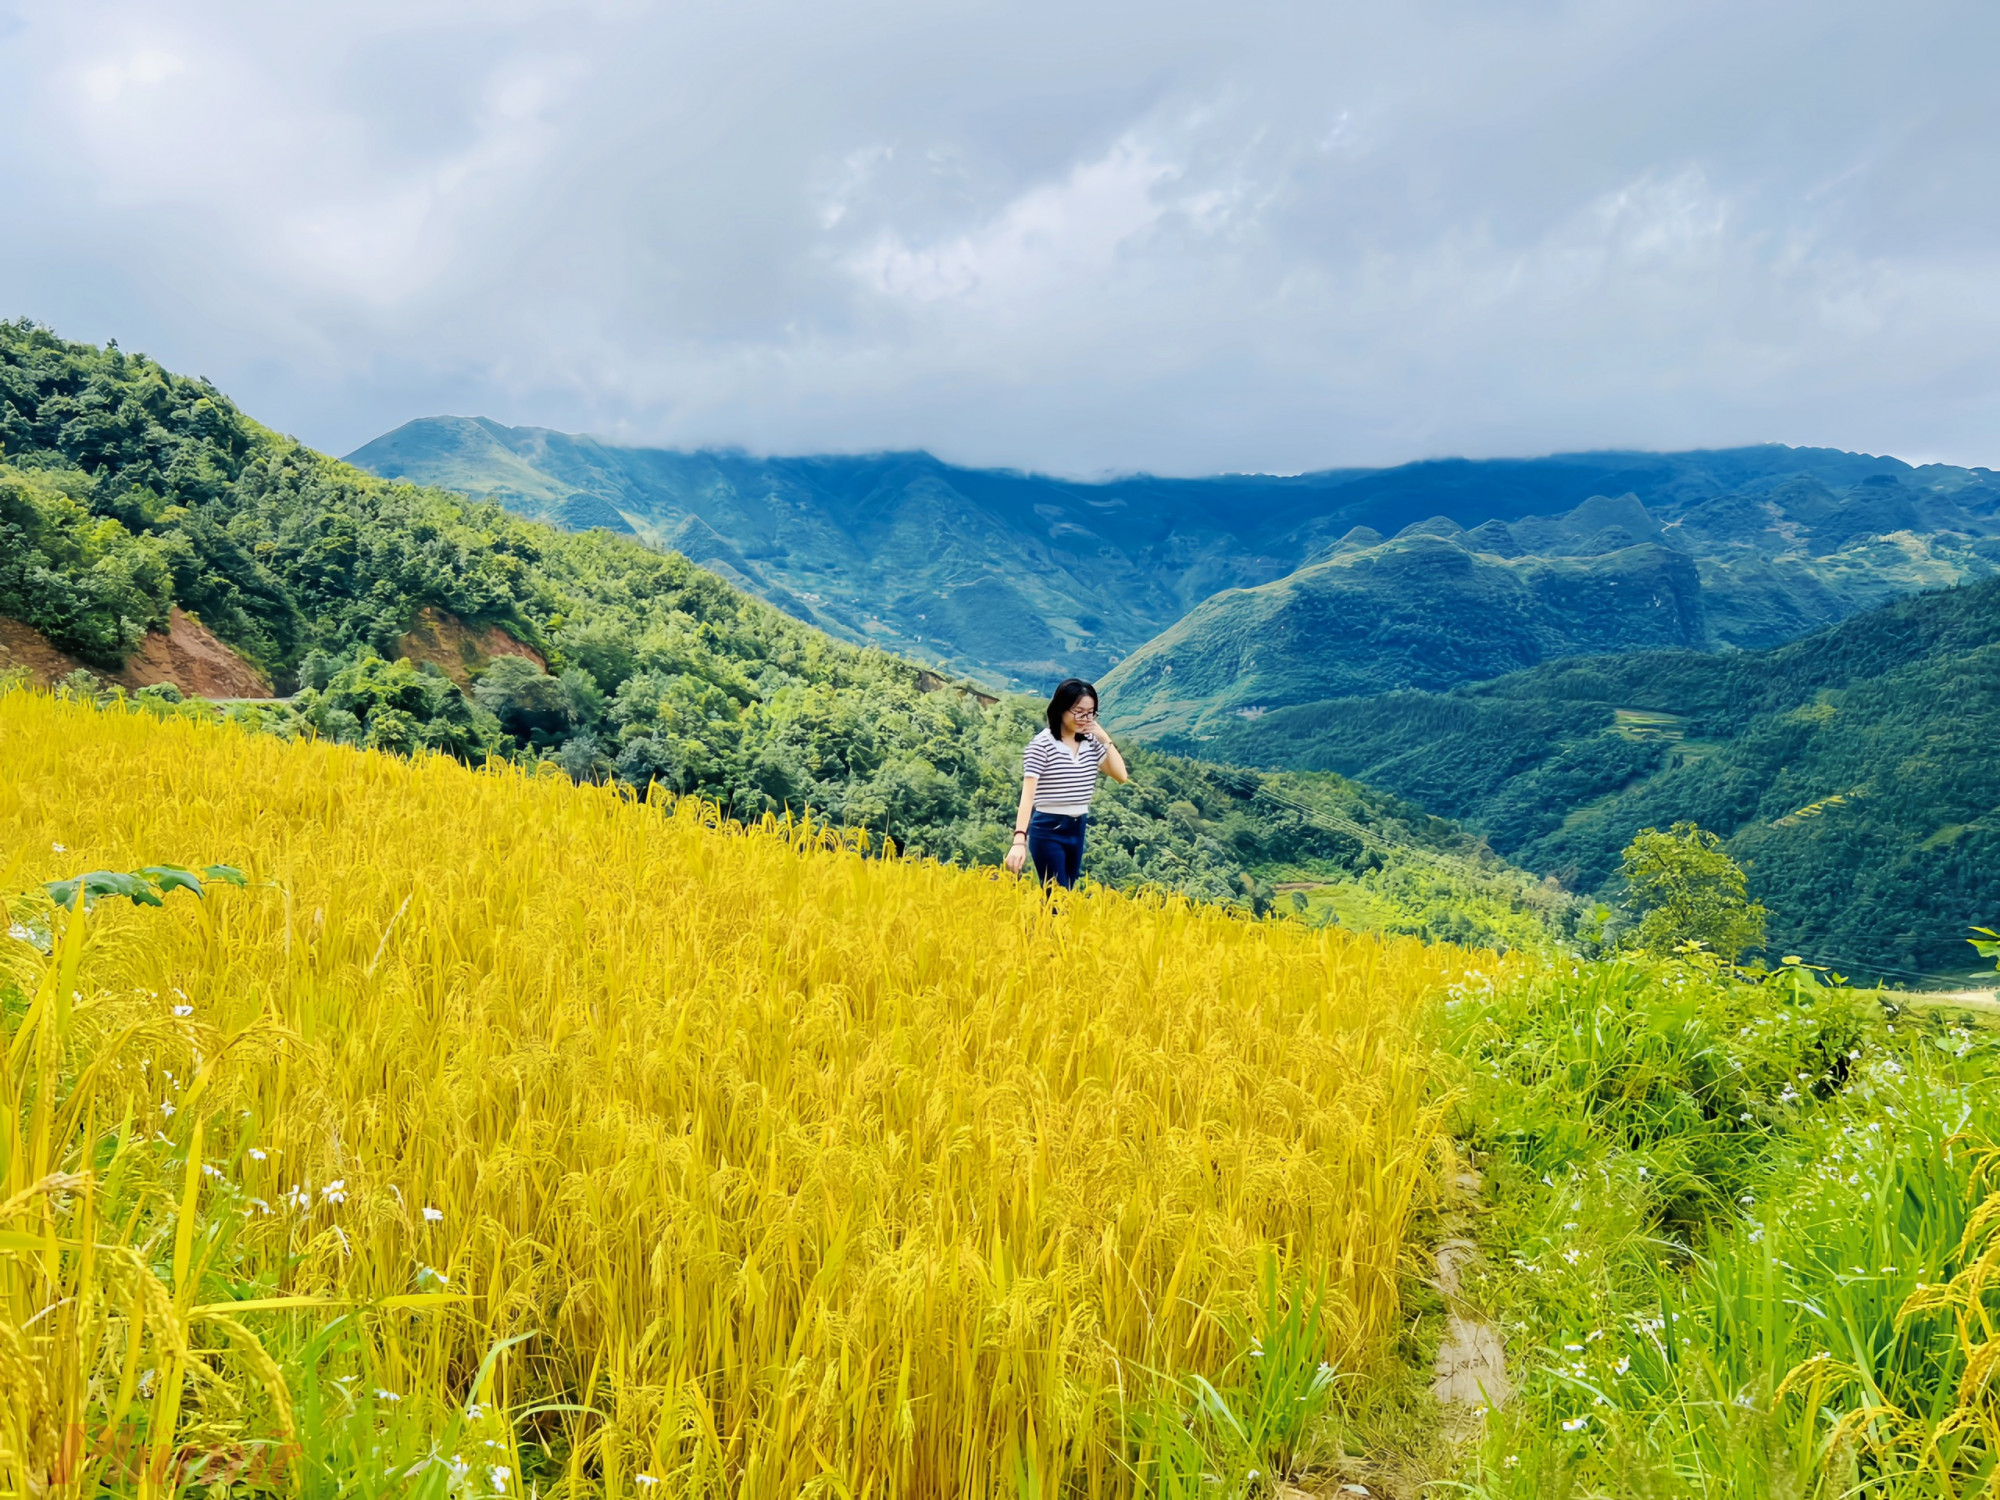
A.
pixel 530 704
pixel 1684 888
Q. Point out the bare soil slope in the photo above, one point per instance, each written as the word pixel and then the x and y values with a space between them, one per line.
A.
pixel 458 649
pixel 187 654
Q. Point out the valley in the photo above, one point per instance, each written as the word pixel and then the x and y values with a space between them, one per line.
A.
pixel 603 1044
pixel 1444 688
pixel 1438 630
pixel 413 620
pixel 1852 771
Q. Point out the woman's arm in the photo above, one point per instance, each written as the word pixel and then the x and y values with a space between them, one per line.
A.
pixel 1114 763
pixel 1017 856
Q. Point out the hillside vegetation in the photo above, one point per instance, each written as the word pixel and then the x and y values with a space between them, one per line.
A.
pixel 477 1134
pixel 1021 578
pixel 1438 605
pixel 1853 772
pixel 415 620
pixel 1423 611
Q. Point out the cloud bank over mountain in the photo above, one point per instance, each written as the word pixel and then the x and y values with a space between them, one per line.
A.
pixel 1075 238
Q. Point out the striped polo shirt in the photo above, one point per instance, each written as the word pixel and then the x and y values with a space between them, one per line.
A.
pixel 1063 782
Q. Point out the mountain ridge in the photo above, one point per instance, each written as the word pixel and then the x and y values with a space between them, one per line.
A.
pixel 1851 771
pixel 1017 578
pixel 1366 620
pixel 414 620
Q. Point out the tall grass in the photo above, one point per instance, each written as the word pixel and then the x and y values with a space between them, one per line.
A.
pixel 619 1152
pixel 1753 1228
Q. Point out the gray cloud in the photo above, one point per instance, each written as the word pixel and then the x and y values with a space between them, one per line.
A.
pixel 1071 237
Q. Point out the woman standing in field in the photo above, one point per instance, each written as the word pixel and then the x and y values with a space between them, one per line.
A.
pixel 1058 775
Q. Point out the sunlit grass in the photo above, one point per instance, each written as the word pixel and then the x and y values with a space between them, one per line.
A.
pixel 789 1169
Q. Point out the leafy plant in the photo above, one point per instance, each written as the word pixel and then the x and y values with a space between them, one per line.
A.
pixel 1717 1203
pixel 144 887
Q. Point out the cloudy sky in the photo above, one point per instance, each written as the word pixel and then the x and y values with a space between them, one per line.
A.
pixel 1078 237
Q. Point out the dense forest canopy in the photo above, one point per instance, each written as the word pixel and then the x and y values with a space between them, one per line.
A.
pixel 126 490
pixel 1854 772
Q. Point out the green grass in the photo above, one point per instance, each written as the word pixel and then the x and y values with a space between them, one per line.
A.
pixel 1713 1202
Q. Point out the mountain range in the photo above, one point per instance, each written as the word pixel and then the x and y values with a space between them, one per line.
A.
pixel 1772 558
pixel 1853 772
pixel 1417 628
pixel 1235 593
pixel 1798 648
pixel 156 539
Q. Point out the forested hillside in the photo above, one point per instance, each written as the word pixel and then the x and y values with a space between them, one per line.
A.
pixel 412 619
pixel 1424 610
pixel 1855 772
pixel 1439 605
pixel 1018 578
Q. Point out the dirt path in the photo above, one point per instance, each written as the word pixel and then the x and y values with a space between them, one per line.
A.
pixel 1471 1369
pixel 1986 1002
pixel 1470 1373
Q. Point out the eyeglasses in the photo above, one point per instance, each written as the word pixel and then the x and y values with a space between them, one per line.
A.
pixel 1085 715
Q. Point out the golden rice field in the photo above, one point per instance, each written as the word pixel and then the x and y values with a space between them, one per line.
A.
pixel 790 1170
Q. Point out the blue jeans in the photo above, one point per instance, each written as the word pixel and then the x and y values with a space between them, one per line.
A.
pixel 1055 844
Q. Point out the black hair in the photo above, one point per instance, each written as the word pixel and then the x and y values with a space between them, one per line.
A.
pixel 1067 692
